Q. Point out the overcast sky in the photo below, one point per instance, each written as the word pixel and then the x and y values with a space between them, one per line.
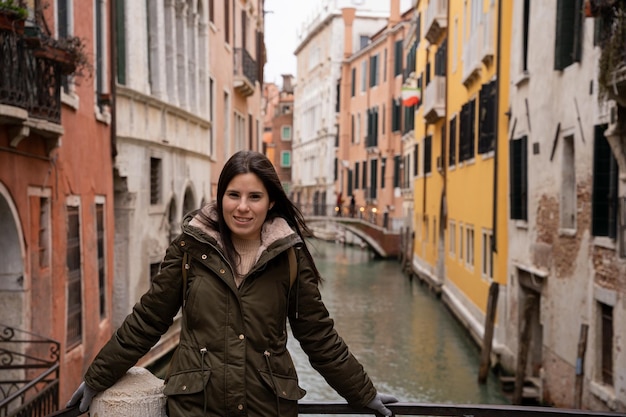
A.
pixel 282 18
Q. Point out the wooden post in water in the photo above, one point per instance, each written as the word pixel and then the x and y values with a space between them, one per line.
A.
pixel 524 345
pixel 490 317
pixel 580 366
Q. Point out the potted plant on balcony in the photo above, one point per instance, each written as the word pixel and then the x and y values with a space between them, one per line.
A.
pixel 69 52
pixel 12 16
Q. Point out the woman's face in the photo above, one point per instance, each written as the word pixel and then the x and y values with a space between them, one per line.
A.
pixel 245 205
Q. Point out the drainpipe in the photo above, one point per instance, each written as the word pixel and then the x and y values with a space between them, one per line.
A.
pixel 494 227
pixel 113 75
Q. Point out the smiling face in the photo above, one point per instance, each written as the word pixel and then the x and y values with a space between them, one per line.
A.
pixel 245 205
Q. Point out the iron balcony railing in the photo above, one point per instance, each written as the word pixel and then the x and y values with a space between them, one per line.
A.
pixel 416 409
pixel 29 373
pixel 29 81
pixel 245 65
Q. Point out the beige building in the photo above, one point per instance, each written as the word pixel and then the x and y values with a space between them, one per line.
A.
pixel 319 56
pixel 189 100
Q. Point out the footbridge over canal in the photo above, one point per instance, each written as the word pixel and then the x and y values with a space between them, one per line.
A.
pixel 384 242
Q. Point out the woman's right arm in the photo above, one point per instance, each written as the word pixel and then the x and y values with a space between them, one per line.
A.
pixel 142 329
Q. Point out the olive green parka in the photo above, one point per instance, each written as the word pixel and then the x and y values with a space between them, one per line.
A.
pixel 232 359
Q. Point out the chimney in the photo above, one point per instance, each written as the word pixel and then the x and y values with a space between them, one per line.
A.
pixel 348 18
pixel 394 13
pixel 287 83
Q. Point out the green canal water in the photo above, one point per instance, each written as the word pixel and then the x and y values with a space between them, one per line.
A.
pixel 407 340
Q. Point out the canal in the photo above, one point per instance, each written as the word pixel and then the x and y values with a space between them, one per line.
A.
pixel 408 342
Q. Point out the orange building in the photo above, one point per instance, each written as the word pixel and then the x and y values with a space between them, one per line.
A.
pixel 56 193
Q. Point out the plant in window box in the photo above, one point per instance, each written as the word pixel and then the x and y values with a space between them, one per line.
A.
pixel 69 52
pixel 12 16
pixel 612 65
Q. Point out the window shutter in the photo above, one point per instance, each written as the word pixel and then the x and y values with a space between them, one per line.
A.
pixel 564 48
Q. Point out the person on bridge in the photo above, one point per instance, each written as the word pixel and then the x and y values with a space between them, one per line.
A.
pixel 239 270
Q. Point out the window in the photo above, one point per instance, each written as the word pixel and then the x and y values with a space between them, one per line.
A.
pixel 519 178
pixel 487 118
pixel 487 264
pixel 356 175
pixel 569 33
pixel 353 82
pixel 525 33
pixel 63 27
pixel 285 133
pixel 606 343
pixel 364 176
pixel 383 166
pixel 396 171
pixel 212 11
pixel 428 157
pixel 285 159
pixel 461 237
pixel 605 185
pixel 396 115
pixel 100 245
pixel 100 58
pixel 363 76
pixel 74 278
pixel 155 181
pixel 467 131
pixel 469 246
pixel 568 185
pixel 452 145
pixel 374 70
pixel 371 139
pixel 397 58
pixel 373 178
pixel 364 40
pixel 416 152
pixel 44 232
pixel 227 21
pixel 452 238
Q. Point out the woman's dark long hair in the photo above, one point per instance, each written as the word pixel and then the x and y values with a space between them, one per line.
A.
pixel 244 162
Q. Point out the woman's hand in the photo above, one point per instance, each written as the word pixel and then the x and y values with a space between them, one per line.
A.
pixel 378 403
pixel 84 394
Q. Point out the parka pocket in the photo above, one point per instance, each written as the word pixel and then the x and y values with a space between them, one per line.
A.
pixel 187 382
pixel 285 387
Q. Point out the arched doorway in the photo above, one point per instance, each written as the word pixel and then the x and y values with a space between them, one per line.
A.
pixel 12 299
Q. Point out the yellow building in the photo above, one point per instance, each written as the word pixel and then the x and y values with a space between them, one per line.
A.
pixel 460 198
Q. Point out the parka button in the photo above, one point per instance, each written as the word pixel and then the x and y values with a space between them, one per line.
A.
pixel 222 270
pixel 240 407
pixel 184 387
pixel 182 243
pixel 203 256
pixel 241 337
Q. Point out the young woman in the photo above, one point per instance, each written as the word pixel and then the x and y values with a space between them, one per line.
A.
pixel 232 358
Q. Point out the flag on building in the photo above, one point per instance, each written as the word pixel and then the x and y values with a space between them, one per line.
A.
pixel 410 95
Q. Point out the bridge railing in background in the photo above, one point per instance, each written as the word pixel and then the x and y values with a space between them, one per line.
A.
pixel 139 393
pixel 367 214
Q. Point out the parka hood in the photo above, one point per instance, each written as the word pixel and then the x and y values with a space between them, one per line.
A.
pixel 274 230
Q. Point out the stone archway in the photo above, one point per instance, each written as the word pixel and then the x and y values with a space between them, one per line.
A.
pixel 12 298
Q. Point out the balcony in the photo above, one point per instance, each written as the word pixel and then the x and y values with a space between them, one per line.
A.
pixel 472 64
pixel 245 72
pixel 30 90
pixel 436 20
pixel 29 373
pixel 435 99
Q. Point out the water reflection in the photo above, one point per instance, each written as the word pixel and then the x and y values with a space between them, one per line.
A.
pixel 408 342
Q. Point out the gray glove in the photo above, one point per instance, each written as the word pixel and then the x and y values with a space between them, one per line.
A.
pixel 378 403
pixel 84 394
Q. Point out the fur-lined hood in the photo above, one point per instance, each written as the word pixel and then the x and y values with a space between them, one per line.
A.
pixel 274 230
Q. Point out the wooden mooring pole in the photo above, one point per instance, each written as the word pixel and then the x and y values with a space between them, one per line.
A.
pixel 524 345
pixel 490 318
pixel 580 366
